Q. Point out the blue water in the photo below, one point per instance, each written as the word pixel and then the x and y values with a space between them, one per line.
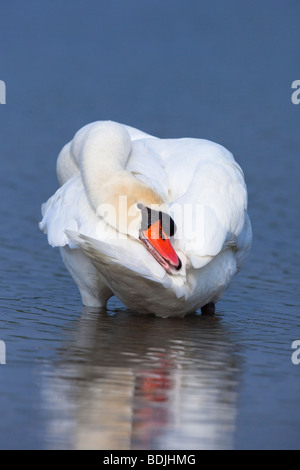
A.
pixel 76 378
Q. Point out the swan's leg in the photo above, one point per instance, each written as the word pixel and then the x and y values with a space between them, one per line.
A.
pixel 91 284
pixel 208 309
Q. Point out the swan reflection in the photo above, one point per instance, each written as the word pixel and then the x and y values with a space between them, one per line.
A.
pixel 126 381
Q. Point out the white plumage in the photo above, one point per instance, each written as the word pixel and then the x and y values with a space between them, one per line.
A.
pixel 198 183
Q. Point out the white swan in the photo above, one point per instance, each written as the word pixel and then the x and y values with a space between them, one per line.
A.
pixel 160 223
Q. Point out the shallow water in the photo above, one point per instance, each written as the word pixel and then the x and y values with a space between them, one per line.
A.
pixel 78 378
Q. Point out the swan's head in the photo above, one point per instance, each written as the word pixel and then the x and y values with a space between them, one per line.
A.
pixel 156 229
pixel 119 198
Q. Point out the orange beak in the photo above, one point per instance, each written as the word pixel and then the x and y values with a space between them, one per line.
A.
pixel 159 245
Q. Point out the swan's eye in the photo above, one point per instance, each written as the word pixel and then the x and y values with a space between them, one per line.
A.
pixel 150 216
pixel 167 224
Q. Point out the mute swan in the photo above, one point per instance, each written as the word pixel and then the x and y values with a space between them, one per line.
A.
pixel 160 223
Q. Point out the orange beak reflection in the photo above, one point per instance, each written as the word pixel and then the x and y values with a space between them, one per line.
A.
pixel 159 245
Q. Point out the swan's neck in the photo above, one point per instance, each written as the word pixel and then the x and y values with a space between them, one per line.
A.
pixel 104 155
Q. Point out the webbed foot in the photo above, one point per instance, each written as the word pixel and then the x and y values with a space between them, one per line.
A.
pixel 208 309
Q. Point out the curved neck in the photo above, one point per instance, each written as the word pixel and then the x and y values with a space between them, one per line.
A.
pixel 104 155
